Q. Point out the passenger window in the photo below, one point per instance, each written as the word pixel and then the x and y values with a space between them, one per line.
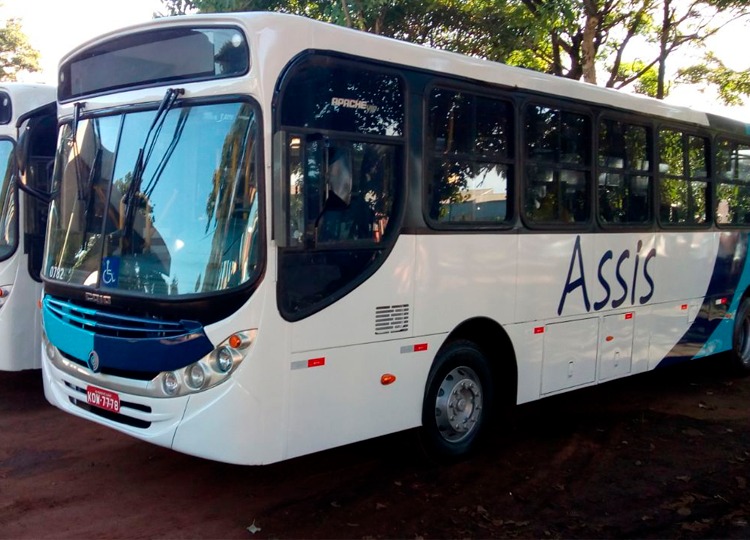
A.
pixel 683 185
pixel 558 166
pixel 470 139
pixel 733 183
pixel 625 177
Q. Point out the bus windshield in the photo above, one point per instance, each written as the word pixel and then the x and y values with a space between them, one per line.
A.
pixel 187 225
pixel 8 235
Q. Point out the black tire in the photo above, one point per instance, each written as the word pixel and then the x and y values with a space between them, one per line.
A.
pixel 740 355
pixel 457 402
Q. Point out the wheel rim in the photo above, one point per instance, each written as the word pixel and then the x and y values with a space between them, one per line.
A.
pixel 458 405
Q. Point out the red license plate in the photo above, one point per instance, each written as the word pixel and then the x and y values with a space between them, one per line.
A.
pixel 104 399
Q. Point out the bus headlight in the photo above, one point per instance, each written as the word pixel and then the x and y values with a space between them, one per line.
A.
pixel 196 376
pixel 170 383
pixel 212 369
pixel 224 360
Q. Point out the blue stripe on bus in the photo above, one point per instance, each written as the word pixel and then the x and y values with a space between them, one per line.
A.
pixel 71 340
pixel 711 332
pixel 148 354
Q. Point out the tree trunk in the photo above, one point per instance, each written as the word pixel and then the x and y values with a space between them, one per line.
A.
pixel 588 48
pixel 666 26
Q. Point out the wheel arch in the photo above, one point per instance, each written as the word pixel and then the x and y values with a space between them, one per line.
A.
pixel 497 347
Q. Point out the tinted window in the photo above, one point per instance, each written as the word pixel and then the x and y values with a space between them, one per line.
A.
pixel 8 214
pixel 733 183
pixel 6 108
pixel 344 97
pixel 624 181
pixel 470 138
pixel 558 166
pixel 683 184
pixel 155 57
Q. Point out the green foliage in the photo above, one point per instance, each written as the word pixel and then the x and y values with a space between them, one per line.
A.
pixel 731 85
pixel 569 38
pixel 16 54
pixel 644 77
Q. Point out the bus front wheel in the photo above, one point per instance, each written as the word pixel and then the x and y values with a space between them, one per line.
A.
pixel 457 401
pixel 741 339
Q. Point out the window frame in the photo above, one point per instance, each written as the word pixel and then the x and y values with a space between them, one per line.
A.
pixel 686 133
pixel 430 157
pixel 587 168
pixel 651 151
pixel 718 181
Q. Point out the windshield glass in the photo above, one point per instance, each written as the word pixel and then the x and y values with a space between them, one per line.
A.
pixel 8 224
pixel 190 225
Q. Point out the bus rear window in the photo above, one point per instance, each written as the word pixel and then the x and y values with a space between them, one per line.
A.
pixel 155 57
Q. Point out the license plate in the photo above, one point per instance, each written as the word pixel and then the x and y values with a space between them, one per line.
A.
pixel 104 399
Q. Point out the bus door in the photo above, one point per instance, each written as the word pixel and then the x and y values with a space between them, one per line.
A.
pixel 36 153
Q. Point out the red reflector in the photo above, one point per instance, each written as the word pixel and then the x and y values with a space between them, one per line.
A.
pixel 539 330
pixel 420 347
pixel 315 362
pixel 628 316
pixel 724 301
pixel 683 307
pixel 609 338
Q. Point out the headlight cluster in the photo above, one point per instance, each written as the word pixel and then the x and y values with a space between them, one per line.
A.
pixel 212 369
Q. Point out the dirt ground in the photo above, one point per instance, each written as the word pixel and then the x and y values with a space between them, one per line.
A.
pixel 665 454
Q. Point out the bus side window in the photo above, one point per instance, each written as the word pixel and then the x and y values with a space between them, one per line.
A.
pixel 624 176
pixel 470 140
pixel 683 186
pixel 733 183
pixel 558 166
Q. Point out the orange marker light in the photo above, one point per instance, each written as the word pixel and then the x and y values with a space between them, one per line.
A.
pixel 387 378
pixel 235 341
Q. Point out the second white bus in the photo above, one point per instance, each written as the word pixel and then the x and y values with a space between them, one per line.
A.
pixel 25 167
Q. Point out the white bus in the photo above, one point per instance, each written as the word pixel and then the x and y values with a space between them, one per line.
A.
pixel 26 164
pixel 272 236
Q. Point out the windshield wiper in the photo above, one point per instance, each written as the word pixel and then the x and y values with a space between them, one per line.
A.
pixel 144 155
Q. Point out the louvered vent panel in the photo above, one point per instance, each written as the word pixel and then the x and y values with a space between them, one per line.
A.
pixel 391 319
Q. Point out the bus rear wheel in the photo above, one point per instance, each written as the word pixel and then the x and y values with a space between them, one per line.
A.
pixel 741 339
pixel 458 400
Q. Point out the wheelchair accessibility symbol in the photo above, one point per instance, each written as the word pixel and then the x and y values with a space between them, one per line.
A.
pixel 110 271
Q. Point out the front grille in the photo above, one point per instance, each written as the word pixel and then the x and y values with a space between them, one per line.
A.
pixel 112 324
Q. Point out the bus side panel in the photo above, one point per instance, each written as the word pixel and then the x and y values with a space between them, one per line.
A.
pixel 376 307
pixel 682 273
pixel 460 277
pixel 340 354
pixel 337 396
pixel 20 327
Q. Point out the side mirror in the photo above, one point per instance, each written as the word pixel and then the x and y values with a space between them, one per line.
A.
pixel 36 137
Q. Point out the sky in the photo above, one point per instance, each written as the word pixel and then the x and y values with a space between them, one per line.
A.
pixel 54 27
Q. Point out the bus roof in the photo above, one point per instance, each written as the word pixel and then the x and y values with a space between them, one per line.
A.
pixel 305 34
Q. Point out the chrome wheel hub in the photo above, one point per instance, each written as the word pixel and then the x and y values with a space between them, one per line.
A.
pixel 458 405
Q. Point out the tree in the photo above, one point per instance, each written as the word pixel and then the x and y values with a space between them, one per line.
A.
pixel 576 39
pixel 16 54
pixel 474 27
pixel 731 85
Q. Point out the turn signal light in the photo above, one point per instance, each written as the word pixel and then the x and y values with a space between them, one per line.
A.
pixel 387 378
